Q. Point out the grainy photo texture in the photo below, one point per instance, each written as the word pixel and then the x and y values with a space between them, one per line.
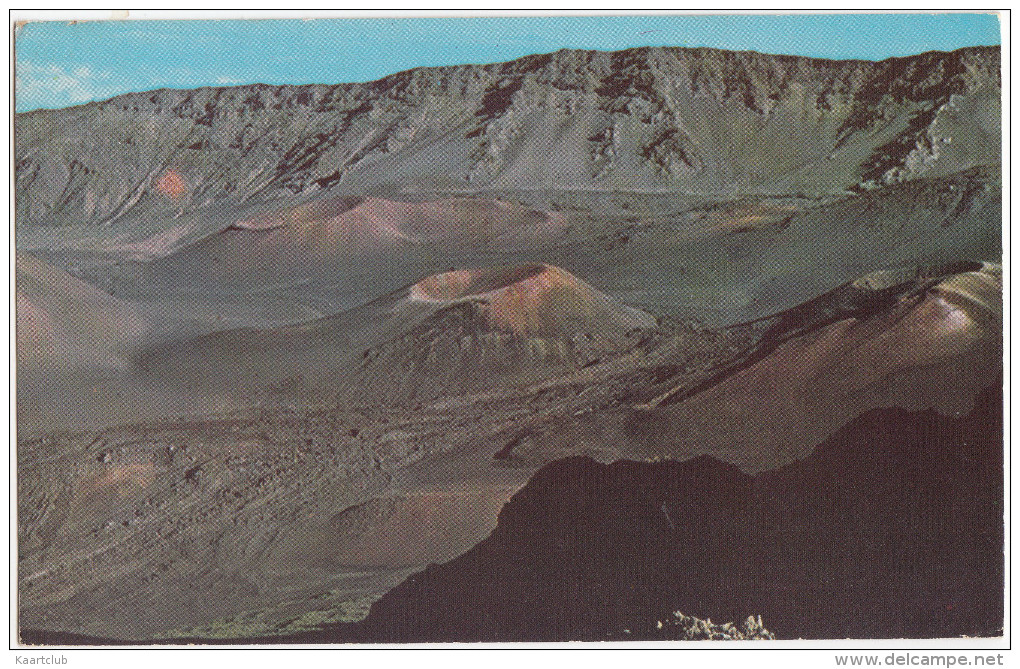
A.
pixel 554 328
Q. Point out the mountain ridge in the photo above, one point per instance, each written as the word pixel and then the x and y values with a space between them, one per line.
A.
pixel 650 118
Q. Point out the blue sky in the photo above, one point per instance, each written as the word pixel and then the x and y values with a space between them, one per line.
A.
pixel 59 63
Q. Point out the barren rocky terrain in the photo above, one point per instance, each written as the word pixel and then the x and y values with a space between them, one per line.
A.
pixel 282 348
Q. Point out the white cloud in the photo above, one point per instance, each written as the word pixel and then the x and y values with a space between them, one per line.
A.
pixel 55 86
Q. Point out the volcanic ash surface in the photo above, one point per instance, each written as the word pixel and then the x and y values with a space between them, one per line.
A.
pixel 496 326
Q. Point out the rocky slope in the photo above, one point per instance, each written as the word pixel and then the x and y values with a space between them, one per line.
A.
pixel 891 528
pixel 681 120
pixel 321 334
pixel 925 344
pixel 448 334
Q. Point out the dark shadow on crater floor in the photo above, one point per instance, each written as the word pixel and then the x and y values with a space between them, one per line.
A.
pixel 892 528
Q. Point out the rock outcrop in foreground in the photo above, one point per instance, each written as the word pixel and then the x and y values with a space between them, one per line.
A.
pixel 680 627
